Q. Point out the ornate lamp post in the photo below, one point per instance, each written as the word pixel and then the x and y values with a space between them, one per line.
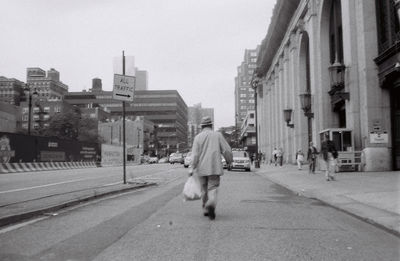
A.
pixel 254 85
pixel 34 94
pixel 305 101
pixel 337 93
pixel 287 114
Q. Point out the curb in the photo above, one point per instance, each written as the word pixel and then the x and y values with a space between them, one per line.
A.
pixel 12 219
pixel 335 206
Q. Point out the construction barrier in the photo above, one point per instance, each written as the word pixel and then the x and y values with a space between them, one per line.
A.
pixel 42 166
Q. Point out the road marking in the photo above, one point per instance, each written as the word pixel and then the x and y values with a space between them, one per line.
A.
pixel 43 186
pixel 23 224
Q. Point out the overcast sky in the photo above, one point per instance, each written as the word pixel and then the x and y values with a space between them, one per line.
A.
pixel 193 46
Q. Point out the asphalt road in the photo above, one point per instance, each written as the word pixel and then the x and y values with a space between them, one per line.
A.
pixel 256 220
pixel 24 186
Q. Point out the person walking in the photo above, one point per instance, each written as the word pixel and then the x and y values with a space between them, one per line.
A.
pixel 208 146
pixel 275 156
pixel 279 156
pixel 312 157
pixel 299 159
pixel 329 154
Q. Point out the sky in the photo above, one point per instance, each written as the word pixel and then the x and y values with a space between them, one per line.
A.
pixel 192 46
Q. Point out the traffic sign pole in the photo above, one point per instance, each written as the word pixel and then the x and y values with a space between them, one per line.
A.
pixel 123 121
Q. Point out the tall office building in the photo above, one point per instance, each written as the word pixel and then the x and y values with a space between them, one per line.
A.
pixel 141 81
pixel 195 113
pixel 244 94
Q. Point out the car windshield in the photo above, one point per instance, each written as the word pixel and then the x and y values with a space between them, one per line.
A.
pixel 239 154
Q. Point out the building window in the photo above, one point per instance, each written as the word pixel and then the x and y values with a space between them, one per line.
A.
pixel 57 109
pixel 243 95
pixel 46 117
pixel 335 32
pixel 46 109
pixel 251 115
pixel 251 101
pixel 25 110
pixel 388 24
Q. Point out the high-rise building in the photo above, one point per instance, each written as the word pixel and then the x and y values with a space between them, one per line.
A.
pixel 47 87
pixel 195 114
pixel 244 94
pixel 141 81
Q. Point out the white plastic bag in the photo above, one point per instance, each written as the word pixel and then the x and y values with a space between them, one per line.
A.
pixel 192 189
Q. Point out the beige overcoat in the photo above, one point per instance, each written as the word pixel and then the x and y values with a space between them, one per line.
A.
pixel 208 146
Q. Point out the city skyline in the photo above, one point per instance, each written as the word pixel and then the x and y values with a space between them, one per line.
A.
pixel 189 46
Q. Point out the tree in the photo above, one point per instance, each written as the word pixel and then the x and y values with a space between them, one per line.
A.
pixel 64 125
pixel 88 130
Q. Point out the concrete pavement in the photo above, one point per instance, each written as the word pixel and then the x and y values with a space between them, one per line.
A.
pixel 371 196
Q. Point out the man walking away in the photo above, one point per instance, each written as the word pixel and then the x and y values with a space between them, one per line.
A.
pixel 312 157
pixel 208 146
pixel 329 154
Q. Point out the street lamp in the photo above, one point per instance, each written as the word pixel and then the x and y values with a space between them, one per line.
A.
pixel 337 73
pixel 34 94
pixel 254 85
pixel 287 114
pixel 306 105
pixel 305 101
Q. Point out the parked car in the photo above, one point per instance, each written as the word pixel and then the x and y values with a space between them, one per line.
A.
pixel 241 160
pixel 153 160
pixel 224 165
pixel 176 158
pixel 188 159
pixel 163 160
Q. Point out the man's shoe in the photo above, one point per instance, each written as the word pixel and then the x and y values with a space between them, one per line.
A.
pixel 211 212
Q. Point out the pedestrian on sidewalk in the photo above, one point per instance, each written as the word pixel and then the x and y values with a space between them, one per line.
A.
pixel 299 159
pixel 279 156
pixel 208 146
pixel 329 154
pixel 275 156
pixel 312 157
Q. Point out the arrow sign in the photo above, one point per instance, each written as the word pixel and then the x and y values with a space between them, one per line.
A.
pixel 124 87
pixel 123 95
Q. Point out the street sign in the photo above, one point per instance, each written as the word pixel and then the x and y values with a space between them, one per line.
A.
pixel 124 87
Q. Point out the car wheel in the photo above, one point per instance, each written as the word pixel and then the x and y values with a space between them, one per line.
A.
pixel 248 169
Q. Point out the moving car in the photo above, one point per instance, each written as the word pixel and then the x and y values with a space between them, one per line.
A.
pixel 241 160
pixel 176 158
pixel 188 160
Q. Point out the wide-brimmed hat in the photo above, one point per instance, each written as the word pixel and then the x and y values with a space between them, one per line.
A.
pixel 205 121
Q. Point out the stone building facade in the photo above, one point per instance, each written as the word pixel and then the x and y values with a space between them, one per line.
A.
pixel 309 44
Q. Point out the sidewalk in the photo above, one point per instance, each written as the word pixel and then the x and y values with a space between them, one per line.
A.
pixel 371 196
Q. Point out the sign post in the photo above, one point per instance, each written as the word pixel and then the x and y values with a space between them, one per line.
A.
pixel 123 90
